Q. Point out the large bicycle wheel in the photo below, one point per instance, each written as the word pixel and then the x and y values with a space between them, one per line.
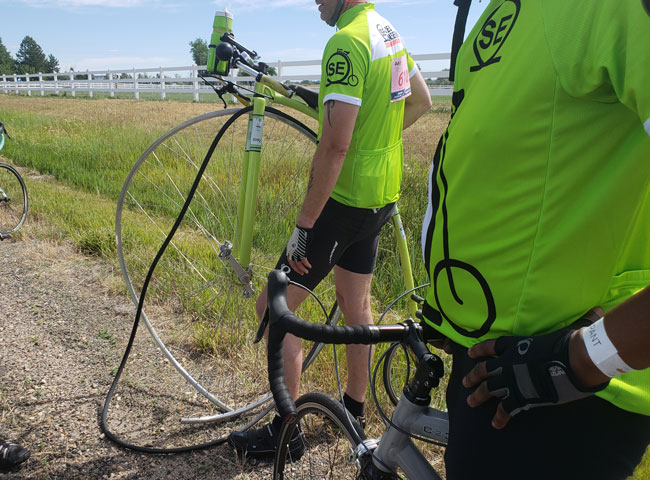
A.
pixel 206 306
pixel 13 200
pixel 326 432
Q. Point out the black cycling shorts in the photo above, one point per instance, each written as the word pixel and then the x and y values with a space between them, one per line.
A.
pixel 344 236
pixel 587 439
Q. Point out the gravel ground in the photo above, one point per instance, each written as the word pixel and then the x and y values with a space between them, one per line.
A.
pixel 63 336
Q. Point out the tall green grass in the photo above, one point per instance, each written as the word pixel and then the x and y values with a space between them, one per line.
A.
pixel 95 156
pixel 145 96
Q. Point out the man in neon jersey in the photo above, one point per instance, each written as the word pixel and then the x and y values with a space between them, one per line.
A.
pixel 539 211
pixel 370 90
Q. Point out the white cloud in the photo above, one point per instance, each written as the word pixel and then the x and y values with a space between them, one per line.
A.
pixel 247 5
pixel 79 4
pixel 83 3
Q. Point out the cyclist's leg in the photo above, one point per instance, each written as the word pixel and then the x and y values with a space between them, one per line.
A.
pixel 291 347
pixel 353 276
pixel 331 238
pixel 353 295
pixel 333 232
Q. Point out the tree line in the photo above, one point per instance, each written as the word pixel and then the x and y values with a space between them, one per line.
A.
pixel 30 59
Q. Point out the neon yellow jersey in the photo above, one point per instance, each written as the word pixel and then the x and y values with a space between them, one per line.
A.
pixel 365 63
pixel 539 203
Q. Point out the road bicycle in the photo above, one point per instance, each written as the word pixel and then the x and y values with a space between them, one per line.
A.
pixel 238 176
pixel 13 195
pixel 335 444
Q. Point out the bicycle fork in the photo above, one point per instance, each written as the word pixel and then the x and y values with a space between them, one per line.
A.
pixel 239 255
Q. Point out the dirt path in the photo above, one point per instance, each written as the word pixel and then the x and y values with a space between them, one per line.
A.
pixel 63 336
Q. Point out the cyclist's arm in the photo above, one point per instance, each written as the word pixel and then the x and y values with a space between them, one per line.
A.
pixel 338 125
pixel 628 327
pixel 419 102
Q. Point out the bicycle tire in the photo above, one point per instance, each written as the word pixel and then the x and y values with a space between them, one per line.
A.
pixel 329 443
pixel 200 285
pixel 14 202
pixel 396 372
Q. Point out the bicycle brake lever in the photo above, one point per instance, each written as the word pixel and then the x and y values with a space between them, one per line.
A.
pixel 228 88
pixel 220 93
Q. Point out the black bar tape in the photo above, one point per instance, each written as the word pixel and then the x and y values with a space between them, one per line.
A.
pixel 283 321
pixel 283 401
pixel 277 301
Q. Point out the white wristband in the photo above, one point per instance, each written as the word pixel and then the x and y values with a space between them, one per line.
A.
pixel 602 351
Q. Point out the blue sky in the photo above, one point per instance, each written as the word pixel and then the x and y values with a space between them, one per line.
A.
pixel 123 34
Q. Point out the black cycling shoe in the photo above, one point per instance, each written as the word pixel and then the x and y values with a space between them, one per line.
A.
pixel 261 443
pixel 12 455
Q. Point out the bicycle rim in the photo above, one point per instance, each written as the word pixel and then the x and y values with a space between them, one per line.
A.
pixel 192 286
pixel 397 370
pixel 328 442
pixel 13 200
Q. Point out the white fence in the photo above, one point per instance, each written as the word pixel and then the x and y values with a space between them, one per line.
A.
pixel 182 79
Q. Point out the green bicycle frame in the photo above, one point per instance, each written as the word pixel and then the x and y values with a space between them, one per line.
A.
pixel 265 88
pixel 405 259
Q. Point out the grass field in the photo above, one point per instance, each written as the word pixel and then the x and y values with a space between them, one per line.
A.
pixel 211 98
pixel 76 154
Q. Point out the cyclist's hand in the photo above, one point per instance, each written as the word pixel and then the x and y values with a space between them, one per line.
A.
pixel 298 249
pixel 527 372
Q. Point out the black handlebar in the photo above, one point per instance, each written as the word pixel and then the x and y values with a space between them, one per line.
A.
pixel 283 321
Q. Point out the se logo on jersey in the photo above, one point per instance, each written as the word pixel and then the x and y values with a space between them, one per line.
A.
pixel 340 71
pixel 494 33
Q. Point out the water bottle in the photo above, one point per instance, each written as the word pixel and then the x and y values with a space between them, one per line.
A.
pixel 222 24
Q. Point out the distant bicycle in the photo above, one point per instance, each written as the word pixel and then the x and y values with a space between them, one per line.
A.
pixel 13 195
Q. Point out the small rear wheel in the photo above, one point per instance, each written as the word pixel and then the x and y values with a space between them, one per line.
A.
pixel 13 200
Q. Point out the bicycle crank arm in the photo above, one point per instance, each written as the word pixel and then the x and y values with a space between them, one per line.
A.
pixel 225 253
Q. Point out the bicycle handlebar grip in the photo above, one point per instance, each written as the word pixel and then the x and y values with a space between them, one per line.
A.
pixel 277 298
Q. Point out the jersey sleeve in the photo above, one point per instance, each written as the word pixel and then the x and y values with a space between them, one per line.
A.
pixel 412 66
pixel 345 65
pixel 601 50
